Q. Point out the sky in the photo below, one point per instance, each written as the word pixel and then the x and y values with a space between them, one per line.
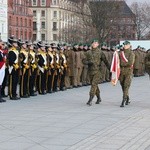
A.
pixel 129 2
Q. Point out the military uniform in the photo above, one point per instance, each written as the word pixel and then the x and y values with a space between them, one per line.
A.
pixel 42 66
pixel 94 59
pixel 32 69
pixel 127 58
pixel 24 77
pixel 13 68
pixel 63 69
pixel 2 69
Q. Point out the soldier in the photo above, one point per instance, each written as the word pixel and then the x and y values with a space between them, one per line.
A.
pixel 56 67
pixel 70 56
pixel 32 69
pixel 50 59
pixel 63 68
pixel 24 63
pixel 127 58
pixel 94 59
pixel 5 81
pixel 147 62
pixel 2 68
pixel 42 65
pixel 13 67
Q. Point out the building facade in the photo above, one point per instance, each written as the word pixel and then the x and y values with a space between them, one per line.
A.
pixel 3 20
pixel 56 21
pixel 20 19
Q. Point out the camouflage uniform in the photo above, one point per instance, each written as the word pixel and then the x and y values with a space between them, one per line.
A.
pixel 94 59
pixel 126 74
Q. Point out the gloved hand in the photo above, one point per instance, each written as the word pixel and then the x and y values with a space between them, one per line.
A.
pixel 26 66
pixel 45 67
pixel 16 66
pixel 34 66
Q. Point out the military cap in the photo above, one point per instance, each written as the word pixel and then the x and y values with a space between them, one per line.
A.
pixel 75 44
pixel 80 44
pixel 53 45
pixel 12 40
pixel 126 43
pixel 95 40
pixel 103 44
pixel 40 44
pixel 29 43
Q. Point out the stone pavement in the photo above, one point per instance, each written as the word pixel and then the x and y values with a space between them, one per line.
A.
pixel 63 121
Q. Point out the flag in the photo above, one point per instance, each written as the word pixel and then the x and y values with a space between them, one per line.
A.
pixel 115 68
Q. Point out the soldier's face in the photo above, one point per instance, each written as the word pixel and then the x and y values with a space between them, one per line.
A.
pixel 95 44
pixel 2 45
pixel 15 44
pixel 128 46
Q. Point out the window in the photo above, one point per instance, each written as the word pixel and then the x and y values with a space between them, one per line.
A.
pixel 25 22
pixel 17 21
pixel 43 13
pixel 42 2
pixel 55 14
pixel 21 23
pixel 10 32
pixel 34 2
pixel 21 34
pixel 17 36
pixel 54 2
pixel 34 37
pixel 34 13
pixel 54 26
pixel 34 25
pixel 25 35
pixel 30 23
pixel 10 20
pixel 43 37
pixel 43 25
pixel 54 37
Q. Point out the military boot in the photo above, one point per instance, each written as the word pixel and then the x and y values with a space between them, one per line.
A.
pixel 98 99
pixel 128 100
pixel 123 102
pixel 90 100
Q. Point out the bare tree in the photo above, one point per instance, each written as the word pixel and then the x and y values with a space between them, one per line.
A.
pixel 142 13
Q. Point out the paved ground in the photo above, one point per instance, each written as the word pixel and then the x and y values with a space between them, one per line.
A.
pixel 62 121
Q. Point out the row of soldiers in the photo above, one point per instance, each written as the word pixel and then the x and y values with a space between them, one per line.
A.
pixel 48 68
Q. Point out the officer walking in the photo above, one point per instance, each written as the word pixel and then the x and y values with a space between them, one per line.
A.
pixel 94 58
pixel 127 58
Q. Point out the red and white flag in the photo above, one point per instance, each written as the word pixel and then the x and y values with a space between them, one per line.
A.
pixel 115 68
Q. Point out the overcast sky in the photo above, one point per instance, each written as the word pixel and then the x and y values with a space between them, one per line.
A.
pixel 129 2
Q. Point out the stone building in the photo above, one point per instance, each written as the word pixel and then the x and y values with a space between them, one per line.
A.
pixel 20 19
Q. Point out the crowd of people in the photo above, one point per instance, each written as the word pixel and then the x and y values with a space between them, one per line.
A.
pixel 42 68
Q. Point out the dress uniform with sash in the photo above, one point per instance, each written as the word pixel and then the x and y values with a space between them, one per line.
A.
pixel 13 68
pixel 2 68
pixel 24 77
pixel 32 69
pixel 63 68
pixel 50 77
pixel 56 67
pixel 42 66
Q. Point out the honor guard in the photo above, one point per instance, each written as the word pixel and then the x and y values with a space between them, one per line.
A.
pixel 24 64
pixel 42 66
pixel 13 68
pixel 56 67
pixel 32 69
pixel 50 77
pixel 63 68
pixel 2 68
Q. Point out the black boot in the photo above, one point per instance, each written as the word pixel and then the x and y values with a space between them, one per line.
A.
pixel 90 100
pixel 123 102
pixel 98 99
pixel 127 101
pixel 1 100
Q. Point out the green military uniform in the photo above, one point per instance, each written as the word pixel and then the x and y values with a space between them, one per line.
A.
pixel 94 59
pixel 126 72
